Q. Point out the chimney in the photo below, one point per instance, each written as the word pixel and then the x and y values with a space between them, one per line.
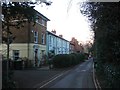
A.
pixel 53 31
pixel 61 36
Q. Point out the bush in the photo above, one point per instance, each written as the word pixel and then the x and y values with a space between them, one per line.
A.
pixel 82 57
pixel 110 75
pixel 73 59
pixel 7 83
pixel 60 61
pixel 67 60
pixel 18 65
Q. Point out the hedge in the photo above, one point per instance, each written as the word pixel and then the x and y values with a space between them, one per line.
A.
pixel 67 60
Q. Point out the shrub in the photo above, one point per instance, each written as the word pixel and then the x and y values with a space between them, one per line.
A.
pixel 7 80
pixel 73 59
pixel 82 57
pixel 61 60
pixel 67 60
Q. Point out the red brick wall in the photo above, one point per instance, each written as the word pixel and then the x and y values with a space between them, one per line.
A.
pixel 25 34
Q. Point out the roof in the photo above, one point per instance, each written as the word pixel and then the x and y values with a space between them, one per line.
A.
pixel 44 17
pixel 57 36
pixel 72 43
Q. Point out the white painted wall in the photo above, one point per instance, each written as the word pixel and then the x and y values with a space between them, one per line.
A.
pixel 54 42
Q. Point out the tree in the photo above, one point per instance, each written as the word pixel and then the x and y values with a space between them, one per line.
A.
pixel 15 15
pixel 105 22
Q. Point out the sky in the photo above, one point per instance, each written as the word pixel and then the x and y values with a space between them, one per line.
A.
pixel 66 19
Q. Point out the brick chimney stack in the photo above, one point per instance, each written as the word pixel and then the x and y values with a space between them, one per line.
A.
pixel 60 35
pixel 53 31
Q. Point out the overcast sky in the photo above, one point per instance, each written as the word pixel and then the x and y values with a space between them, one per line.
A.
pixel 66 19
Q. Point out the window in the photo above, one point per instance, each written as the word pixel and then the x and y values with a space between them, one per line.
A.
pixel 35 37
pixel 15 54
pixel 43 22
pixel 35 33
pixel 37 19
pixel 43 38
pixel 50 39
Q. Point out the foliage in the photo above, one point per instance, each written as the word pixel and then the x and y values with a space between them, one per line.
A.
pixel 15 15
pixel 10 83
pixel 60 60
pixel 67 60
pixel 105 22
pixel 51 54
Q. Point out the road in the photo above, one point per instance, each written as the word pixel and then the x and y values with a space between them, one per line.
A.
pixel 33 78
pixel 80 76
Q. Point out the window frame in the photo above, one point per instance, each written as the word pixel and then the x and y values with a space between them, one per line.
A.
pixel 35 37
pixel 43 22
pixel 16 56
pixel 43 38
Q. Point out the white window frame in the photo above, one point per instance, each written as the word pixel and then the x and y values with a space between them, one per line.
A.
pixel 43 38
pixel 43 22
pixel 35 37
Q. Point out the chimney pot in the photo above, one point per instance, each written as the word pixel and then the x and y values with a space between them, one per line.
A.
pixel 54 31
pixel 61 36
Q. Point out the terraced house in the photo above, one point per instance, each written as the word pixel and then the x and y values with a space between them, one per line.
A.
pixel 57 44
pixel 30 41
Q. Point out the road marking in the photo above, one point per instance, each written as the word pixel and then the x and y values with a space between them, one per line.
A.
pixel 97 85
pixel 50 81
pixel 46 80
pixel 83 70
pixel 81 65
pixel 94 77
pixel 54 78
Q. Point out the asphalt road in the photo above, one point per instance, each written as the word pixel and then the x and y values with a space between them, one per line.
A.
pixel 35 77
pixel 80 76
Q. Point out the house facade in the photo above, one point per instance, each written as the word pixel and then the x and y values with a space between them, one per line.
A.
pixel 72 47
pixel 75 46
pixel 57 44
pixel 30 41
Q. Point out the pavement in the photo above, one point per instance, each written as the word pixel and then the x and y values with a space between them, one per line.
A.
pixel 32 78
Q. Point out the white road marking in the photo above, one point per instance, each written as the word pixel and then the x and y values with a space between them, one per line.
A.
pixel 97 85
pixel 54 78
pixel 83 70
pixel 50 81
pixel 94 77
pixel 81 65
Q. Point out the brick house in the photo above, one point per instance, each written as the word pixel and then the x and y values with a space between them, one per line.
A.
pixel 72 47
pixel 30 41
pixel 76 47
